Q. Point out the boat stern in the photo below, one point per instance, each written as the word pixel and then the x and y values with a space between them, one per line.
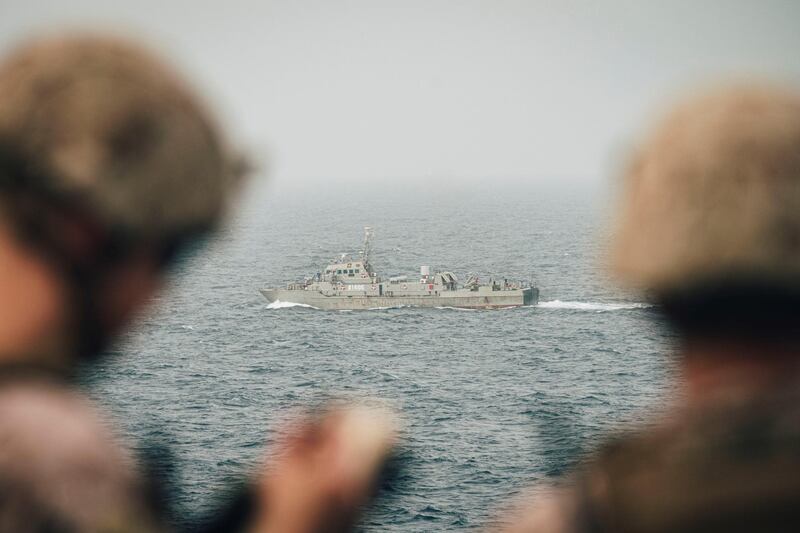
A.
pixel 530 296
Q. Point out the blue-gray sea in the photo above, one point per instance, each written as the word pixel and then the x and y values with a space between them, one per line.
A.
pixel 494 401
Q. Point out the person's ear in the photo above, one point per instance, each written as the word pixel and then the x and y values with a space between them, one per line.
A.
pixel 129 288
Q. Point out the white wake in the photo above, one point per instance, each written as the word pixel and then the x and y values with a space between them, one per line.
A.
pixel 593 306
pixel 277 304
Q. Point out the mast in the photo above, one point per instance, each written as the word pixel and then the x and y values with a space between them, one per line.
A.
pixel 366 249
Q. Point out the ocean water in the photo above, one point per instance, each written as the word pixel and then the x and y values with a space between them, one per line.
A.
pixel 494 402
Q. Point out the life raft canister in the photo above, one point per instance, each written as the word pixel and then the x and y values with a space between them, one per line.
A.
pixel 405 286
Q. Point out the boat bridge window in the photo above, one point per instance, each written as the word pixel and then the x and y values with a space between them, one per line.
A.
pixel 350 273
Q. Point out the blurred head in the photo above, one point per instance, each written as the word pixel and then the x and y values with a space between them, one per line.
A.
pixel 109 165
pixel 710 221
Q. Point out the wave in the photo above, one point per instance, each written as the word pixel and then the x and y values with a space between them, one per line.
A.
pixel 277 304
pixel 593 306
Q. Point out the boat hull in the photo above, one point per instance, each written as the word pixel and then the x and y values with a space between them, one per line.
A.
pixel 464 299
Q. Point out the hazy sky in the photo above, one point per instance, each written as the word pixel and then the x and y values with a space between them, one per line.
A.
pixel 451 90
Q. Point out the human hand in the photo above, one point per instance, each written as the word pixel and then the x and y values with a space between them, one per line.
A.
pixel 325 471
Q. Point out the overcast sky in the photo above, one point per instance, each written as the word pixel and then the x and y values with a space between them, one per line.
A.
pixel 454 90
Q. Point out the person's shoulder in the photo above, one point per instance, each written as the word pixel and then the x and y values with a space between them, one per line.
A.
pixel 61 464
pixel 726 429
pixel 713 467
pixel 48 419
pixel 32 394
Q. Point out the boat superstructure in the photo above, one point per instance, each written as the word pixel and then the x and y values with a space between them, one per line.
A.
pixel 351 283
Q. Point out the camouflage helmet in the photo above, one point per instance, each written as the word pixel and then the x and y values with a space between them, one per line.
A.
pixel 714 193
pixel 111 125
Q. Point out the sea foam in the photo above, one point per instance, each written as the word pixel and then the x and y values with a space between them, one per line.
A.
pixel 277 304
pixel 593 306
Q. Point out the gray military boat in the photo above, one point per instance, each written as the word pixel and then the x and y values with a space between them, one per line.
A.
pixel 351 283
